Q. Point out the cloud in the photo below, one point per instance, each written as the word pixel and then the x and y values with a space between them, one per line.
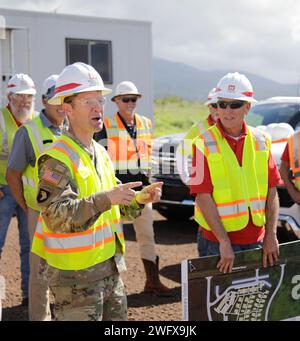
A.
pixel 257 36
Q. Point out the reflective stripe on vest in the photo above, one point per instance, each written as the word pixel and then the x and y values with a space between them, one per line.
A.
pixel 225 172
pixel 37 133
pixel 97 244
pixel 185 146
pixel 124 152
pixel 203 126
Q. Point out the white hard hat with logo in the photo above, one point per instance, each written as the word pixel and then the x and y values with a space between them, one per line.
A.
pixel 77 78
pixel 126 88
pixel 235 86
pixel 211 98
pixel 21 84
pixel 48 86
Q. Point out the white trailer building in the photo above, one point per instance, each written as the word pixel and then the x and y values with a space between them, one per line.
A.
pixel 41 44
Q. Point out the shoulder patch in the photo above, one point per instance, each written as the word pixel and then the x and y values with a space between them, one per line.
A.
pixel 43 195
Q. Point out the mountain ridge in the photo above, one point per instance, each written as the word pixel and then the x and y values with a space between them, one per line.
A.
pixel 178 79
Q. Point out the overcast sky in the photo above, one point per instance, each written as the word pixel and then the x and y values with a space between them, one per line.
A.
pixel 257 36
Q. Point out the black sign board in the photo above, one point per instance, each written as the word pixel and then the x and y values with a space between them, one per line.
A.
pixel 249 293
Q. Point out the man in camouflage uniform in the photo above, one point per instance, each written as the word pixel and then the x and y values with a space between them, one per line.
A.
pixel 83 292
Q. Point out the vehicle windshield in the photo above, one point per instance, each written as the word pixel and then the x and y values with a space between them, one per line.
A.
pixel 264 114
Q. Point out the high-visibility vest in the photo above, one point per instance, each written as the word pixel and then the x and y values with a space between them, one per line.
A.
pixel 293 143
pixel 124 152
pixel 185 148
pixel 236 189
pixel 38 134
pixel 8 128
pixel 80 250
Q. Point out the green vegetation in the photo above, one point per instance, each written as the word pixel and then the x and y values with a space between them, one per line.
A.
pixel 175 115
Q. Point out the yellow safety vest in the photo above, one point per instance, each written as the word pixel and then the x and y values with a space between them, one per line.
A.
pixel 293 143
pixel 236 189
pixel 185 148
pixel 123 151
pixel 80 250
pixel 37 133
pixel 8 128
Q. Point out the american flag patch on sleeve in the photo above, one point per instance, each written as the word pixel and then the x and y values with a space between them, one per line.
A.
pixel 52 177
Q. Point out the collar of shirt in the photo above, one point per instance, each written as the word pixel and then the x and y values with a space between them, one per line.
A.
pixel 210 121
pixel 225 135
pixel 131 128
pixel 48 124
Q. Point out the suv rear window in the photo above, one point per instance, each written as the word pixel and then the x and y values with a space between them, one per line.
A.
pixel 263 114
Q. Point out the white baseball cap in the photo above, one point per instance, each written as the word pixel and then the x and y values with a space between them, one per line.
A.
pixel 21 84
pixel 48 86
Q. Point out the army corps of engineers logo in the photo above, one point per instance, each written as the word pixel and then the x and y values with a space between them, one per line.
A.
pixel 246 299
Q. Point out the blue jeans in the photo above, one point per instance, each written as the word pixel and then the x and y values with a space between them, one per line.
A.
pixel 208 248
pixel 9 207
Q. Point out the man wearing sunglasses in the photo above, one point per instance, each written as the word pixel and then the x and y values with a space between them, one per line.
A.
pixel 184 150
pixel 234 179
pixel 29 142
pixel 129 143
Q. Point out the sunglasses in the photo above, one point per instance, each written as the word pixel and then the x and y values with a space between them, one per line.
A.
pixel 129 99
pixel 232 105
pixel 214 105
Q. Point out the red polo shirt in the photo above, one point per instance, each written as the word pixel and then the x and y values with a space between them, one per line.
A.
pixel 251 233
pixel 285 155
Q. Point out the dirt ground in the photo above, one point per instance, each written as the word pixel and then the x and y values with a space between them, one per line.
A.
pixel 175 241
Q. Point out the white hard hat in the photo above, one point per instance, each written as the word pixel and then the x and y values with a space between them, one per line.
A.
pixel 211 98
pixel 235 86
pixel 48 86
pixel 21 84
pixel 126 88
pixel 280 131
pixel 77 78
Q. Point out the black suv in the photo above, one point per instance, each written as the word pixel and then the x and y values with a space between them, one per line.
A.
pixel 176 202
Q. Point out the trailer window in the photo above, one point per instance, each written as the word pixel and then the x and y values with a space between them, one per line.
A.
pixel 97 53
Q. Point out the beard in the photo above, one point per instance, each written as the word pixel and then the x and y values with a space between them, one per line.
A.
pixel 22 114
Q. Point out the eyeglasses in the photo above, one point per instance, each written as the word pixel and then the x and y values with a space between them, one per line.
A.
pixel 232 105
pixel 93 102
pixel 23 97
pixel 129 99
pixel 214 105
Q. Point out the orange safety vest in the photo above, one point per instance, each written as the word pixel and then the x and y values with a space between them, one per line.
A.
pixel 294 143
pixel 125 152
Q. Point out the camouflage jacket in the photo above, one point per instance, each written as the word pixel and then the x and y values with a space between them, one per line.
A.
pixel 63 212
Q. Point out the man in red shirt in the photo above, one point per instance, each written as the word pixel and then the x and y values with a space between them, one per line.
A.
pixel 285 167
pixel 234 101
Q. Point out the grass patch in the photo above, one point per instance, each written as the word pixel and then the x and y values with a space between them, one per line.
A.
pixel 175 115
